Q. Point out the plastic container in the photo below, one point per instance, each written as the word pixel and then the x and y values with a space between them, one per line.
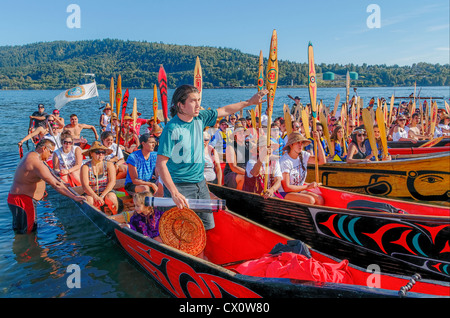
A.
pixel 194 204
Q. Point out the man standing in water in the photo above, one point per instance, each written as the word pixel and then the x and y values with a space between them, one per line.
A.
pixel 180 162
pixel 29 186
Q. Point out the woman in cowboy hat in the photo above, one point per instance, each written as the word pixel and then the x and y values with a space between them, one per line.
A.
pixel 98 178
pixel 293 166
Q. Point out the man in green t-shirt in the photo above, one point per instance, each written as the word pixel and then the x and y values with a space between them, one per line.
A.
pixel 181 161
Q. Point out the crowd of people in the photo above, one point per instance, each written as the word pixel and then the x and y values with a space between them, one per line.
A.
pixel 198 146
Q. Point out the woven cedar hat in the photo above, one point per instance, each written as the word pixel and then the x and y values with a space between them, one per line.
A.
pixel 97 146
pixel 295 137
pixel 183 229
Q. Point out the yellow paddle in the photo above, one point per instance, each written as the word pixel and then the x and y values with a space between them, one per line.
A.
pixel 326 134
pixel 271 83
pixel 287 119
pixel 260 85
pixel 368 125
pixel 312 85
pixel 382 128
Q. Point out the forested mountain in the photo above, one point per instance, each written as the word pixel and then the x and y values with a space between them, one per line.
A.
pixel 61 64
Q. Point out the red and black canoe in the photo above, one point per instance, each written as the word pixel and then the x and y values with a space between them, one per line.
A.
pixel 411 237
pixel 235 241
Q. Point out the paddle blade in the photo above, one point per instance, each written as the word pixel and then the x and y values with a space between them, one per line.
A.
pixel 155 103
pixel 162 80
pixel 198 77
pixel 368 125
pixel 111 94
pixel 287 119
pixel 119 93
pixel 382 127
pixel 312 85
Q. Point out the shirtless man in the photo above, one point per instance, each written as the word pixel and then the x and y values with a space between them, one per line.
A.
pixel 29 186
pixel 75 129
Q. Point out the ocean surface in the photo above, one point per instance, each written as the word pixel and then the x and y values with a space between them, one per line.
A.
pixel 36 265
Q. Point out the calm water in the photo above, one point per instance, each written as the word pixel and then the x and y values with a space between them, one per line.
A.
pixel 35 265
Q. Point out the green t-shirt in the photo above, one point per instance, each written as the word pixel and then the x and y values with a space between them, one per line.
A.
pixel 182 143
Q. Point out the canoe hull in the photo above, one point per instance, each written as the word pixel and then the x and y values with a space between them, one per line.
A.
pixel 399 243
pixel 183 275
pixel 424 179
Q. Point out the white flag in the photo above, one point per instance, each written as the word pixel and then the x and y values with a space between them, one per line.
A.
pixel 79 92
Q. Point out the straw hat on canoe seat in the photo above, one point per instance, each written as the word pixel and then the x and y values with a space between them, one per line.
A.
pixel 183 229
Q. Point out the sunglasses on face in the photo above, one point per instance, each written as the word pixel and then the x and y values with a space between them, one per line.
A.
pixel 361 135
pixel 66 142
pixel 100 152
pixel 51 151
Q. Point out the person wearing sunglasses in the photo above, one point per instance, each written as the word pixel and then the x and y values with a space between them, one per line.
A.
pixel 401 131
pixel 43 132
pixel 67 160
pixel 357 151
pixel 28 186
pixel 98 178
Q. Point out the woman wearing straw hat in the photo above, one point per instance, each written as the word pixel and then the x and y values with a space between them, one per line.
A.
pixel 98 178
pixel 293 166
pixel 256 168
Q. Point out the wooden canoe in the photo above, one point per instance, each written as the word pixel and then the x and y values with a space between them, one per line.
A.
pixel 398 243
pixel 424 178
pixel 236 240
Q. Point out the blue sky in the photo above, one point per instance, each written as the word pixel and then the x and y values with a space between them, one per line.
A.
pixel 410 31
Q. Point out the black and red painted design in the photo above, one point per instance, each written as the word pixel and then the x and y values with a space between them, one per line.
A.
pixel 177 277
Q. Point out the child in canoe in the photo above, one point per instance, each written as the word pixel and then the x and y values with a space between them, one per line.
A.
pixel 144 219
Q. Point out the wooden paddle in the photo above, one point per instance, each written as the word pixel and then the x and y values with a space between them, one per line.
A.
pixel 382 127
pixel 124 108
pixel 433 117
pixel 155 104
pixel 447 108
pixel 271 84
pixel 198 77
pixel 368 125
pixel 326 134
pixel 336 104
pixel 260 85
pixel 391 109
pixel 287 119
pixel 118 94
pixel 134 114
pixel 312 86
pixel 111 94
pixel 305 121
pixel 432 142
pixel 344 123
pixel 162 79
pixel 347 87
pixel 253 118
